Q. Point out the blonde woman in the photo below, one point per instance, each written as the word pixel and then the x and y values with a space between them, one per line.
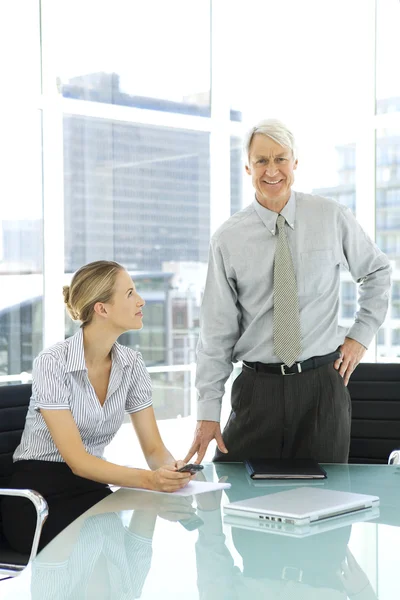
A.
pixel 81 389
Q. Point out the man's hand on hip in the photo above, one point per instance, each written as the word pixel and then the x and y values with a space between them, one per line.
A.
pixel 352 353
pixel 204 433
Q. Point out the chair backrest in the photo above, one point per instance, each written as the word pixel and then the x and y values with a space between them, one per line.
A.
pixel 375 395
pixel 14 402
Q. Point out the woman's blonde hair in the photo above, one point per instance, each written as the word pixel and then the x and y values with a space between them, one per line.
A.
pixel 92 283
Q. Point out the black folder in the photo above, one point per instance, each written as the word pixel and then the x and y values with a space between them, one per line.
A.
pixel 265 468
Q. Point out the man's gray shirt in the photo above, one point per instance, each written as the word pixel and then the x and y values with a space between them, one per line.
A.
pixel 238 303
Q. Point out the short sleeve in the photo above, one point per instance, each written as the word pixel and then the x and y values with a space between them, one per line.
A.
pixel 49 386
pixel 139 391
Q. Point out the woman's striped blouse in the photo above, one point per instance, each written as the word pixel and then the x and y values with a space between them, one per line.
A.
pixel 60 382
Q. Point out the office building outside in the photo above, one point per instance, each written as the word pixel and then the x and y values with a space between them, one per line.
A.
pixel 133 193
pixel 387 225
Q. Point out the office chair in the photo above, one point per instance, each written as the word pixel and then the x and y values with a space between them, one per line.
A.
pixel 375 429
pixel 14 402
pixel 394 457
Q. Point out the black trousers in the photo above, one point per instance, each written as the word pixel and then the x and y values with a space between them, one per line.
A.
pixel 67 495
pixel 306 415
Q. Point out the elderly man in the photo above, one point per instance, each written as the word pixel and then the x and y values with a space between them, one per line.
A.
pixel 271 300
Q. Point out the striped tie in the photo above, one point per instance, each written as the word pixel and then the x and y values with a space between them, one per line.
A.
pixel 287 335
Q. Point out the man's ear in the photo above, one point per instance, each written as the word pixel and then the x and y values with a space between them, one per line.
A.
pixel 247 169
pixel 296 162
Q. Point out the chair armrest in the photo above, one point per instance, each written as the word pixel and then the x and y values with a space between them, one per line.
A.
pixel 42 510
pixel 394 457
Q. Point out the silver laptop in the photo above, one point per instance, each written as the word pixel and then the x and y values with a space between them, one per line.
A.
pixel 300 531
pixel 301 506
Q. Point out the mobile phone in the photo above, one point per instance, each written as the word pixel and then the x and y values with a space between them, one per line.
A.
pixel 192 523
pixel 190 468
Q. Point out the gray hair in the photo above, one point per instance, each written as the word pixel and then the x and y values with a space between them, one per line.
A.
pixel 274 129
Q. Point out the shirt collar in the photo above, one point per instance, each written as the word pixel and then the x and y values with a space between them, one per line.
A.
pixel 76 355
pixel 119 356
pixel 269 217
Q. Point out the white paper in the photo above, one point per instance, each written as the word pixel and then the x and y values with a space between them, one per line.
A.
pixel 192 488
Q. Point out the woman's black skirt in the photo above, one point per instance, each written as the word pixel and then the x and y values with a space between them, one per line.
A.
pixel 67 495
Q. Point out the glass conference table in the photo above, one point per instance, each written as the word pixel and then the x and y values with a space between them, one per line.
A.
pixel 145 545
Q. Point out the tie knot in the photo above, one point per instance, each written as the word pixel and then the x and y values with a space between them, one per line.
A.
pixel 280 222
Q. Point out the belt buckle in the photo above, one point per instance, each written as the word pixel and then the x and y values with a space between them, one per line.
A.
pixel 298 365
pixel 297 574
pixel 249 367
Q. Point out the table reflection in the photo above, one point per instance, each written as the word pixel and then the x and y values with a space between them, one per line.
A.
pixel 101 557
pixel 138 544
pixel 319 566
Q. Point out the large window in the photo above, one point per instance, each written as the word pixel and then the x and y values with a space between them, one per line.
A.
pixel 133 114
pixel 135 194
pixel 140 195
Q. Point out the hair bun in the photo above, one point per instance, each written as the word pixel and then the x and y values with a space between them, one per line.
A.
pixel 74 314
pixel 66 294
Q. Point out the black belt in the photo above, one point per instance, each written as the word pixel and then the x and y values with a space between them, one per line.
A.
pixel 298 367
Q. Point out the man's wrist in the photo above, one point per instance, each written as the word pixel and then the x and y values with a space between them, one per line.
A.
pixel 358 342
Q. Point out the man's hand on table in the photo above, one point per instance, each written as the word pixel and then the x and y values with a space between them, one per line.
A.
pixel 355 581
pixel 205 432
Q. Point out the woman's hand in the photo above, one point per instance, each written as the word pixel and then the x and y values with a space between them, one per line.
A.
pixel 175 508
pixel 168 479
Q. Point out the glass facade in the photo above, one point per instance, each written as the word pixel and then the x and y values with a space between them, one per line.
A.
pixel 129 106
pixel 135 194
